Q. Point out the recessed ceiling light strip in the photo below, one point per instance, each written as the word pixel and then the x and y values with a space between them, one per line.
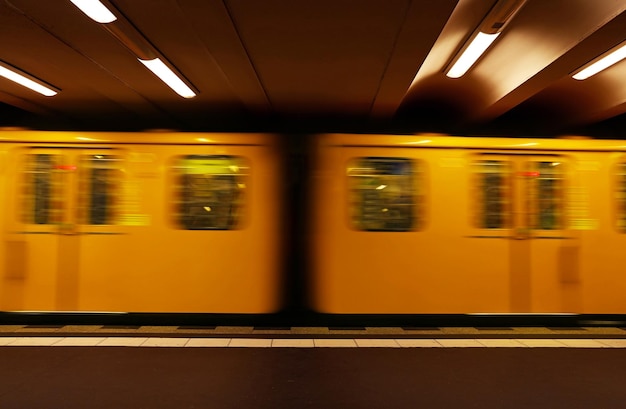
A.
pixel 124 31
pixel 168 77
pixel 489 29
pixel 11 73
pixel 612 57
pixel 95 10
pixel 477 47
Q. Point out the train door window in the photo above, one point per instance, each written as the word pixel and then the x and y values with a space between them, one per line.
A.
pixel 100 188
pixel 43 189
pixel 209 191
pixel 546 195
pixel 521 191
pixel 384 193
pixel 494 183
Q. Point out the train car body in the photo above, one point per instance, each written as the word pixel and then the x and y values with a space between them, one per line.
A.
pixel 140 222
pixel 433 224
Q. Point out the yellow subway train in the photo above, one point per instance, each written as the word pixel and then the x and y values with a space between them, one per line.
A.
pixel 432 224
pixel 391 224
pixel 140 222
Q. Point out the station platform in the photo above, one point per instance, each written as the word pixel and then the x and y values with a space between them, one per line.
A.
pixel 74 366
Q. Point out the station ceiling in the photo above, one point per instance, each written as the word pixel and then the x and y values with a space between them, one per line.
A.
pixel 316 66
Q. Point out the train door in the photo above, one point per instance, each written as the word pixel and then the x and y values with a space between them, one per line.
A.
pixel 61 197
pixel 523 200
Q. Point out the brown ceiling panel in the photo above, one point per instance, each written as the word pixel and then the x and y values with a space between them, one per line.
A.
pixel 432 97
pixel 555 80
pixel 560 103
pixel 514 68
pixel 325 56
pixel 316 64
pixel 532 41
pixel 423 24
pixel 213 26
pixel 87 85
pixel 568 103
pixel 466 16
pixel 166 26
pixel 99 76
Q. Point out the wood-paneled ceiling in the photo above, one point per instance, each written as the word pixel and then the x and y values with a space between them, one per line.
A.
pixel 323 65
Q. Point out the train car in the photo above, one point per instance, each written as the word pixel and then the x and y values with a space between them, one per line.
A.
pixel 435 224
pixel 140 222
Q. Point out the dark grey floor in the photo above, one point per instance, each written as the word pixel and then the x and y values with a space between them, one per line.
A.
pixel 277 378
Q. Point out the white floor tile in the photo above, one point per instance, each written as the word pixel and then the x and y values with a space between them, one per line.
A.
pixel 501 343
pixel 123 342
pixel 614 343
pixel 165 342
pixel 581 343
pixel 79 341
pixel 250 342
pixel 309 343
pixel 208 342
pixel 460 343
pixel 377 343
pixel 335 343
pixel 293 343
pixel 36 341
pixel 418 343
pixel 7 340
pixel 542 343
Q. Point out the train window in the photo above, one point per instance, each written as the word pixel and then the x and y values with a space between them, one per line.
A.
pixel 548 192
pixel 493 184
pixel 100 187
pixel 43 189
pixel 384 193
pixel 209 191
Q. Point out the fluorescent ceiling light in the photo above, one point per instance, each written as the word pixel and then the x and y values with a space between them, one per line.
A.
pixel 95 10
pixel 26 82
pixel 477 47
pixel 603 63
pixel 167 76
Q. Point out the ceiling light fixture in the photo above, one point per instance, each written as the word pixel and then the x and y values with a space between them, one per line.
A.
pixel 11 73
pixel 477 47
pixel 131 38
pixel 603 62
pixel 490 28
pixel 95 10
pixel 168 77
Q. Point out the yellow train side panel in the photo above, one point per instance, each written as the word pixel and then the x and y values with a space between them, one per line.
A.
pixel 450 266
pixel 602 258
pixel 146 263
pixel 173 270
pixel 405 272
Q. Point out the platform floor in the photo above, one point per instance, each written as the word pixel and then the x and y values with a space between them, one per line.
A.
pixel 150 375
pixel 223 367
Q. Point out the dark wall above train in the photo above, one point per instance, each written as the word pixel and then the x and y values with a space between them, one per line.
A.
pixel 323 66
